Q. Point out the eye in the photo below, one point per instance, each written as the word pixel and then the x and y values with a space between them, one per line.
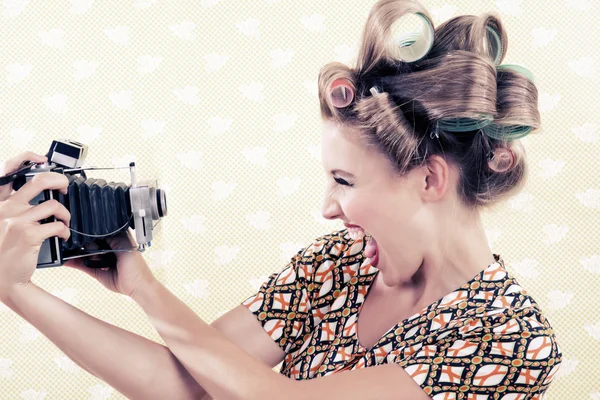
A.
pixel 342 182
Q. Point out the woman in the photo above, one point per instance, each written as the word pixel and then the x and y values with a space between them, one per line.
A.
pixel 418 139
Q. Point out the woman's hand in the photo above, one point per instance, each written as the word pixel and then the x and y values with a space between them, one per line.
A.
pixel 12 165
pixel 21 234
pixel 131 273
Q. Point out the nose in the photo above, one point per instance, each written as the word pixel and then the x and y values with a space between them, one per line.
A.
pixel 330 208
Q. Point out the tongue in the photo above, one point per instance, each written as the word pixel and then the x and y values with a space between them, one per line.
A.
pixel 371 248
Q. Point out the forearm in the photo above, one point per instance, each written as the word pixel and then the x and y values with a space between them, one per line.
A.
pixel 137 367
pixel 224 370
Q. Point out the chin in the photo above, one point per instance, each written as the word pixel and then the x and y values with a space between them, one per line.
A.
pixel 386 279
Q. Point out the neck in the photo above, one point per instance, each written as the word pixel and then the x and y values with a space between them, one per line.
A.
pixel 456 257
pixel 450 260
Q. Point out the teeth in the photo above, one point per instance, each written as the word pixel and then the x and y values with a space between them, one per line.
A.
pixel 356 233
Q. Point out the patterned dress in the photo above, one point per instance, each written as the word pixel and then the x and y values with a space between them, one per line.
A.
pixel 487 339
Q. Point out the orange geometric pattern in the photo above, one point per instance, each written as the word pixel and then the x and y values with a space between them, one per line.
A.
pixel 486 335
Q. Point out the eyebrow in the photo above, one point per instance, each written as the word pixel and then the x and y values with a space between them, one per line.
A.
pixel 342 172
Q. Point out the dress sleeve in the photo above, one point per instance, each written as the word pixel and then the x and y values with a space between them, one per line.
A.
pixel 513 360
pixel 283 302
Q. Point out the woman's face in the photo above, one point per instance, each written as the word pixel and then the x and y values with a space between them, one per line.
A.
pixel 368 194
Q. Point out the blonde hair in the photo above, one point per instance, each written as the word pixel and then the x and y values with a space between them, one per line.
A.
pixel 457 79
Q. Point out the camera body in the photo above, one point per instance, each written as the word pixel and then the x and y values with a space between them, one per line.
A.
pixel 99 209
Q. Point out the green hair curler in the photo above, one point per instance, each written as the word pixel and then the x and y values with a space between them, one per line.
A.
pixel 465 124
pixel 495 45
pixel 518 68
pixel 408 45
pixel 507 132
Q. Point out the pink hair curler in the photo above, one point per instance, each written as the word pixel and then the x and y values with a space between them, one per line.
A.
pixel 341 92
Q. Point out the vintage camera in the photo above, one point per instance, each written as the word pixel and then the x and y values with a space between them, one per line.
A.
pixel 99 209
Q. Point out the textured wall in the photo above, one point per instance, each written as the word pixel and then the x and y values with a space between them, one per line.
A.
pixel 217 100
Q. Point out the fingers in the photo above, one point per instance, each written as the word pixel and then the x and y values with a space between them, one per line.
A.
pixel 20 223
pixel 39 183
pixel 132 239
pixel 46 210
pixel 42 232
pixel 12 165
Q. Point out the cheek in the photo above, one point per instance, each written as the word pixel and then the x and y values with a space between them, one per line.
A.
pixel 355 212
pixel 415 228
pixel 358 209
pixel 398 216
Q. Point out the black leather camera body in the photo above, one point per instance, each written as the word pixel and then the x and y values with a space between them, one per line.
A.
pixel 99 209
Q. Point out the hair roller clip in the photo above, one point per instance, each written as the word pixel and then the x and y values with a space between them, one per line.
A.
pixel 341 93
pixel 374 90
pixel 411 37
pixel 434 132
pixel 494 44
pixel 517 68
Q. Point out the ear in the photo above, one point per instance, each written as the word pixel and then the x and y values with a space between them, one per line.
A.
pixel 437 178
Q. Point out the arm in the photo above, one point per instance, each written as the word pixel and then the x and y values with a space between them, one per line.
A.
pixel 144 369
pixel 135 366
pixel 227 372
pixel 381 382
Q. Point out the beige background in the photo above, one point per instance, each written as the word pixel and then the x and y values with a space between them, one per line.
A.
pixel 217 100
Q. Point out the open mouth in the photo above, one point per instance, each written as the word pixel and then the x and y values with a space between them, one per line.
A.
pixel 371 250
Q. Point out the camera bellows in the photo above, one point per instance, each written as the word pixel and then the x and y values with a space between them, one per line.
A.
pixel 97 208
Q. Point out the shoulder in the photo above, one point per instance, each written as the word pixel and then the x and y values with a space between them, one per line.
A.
pixel 335 244
pixel 503 306
pixel 331 250
pixel 331 257
pixel 495 316
pixel 513 330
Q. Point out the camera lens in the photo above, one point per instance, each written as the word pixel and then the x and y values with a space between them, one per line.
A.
pixel 161 202
pixel 158 203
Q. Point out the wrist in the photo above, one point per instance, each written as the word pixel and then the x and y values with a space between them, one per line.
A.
pixel 10 295
pixel 148 288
